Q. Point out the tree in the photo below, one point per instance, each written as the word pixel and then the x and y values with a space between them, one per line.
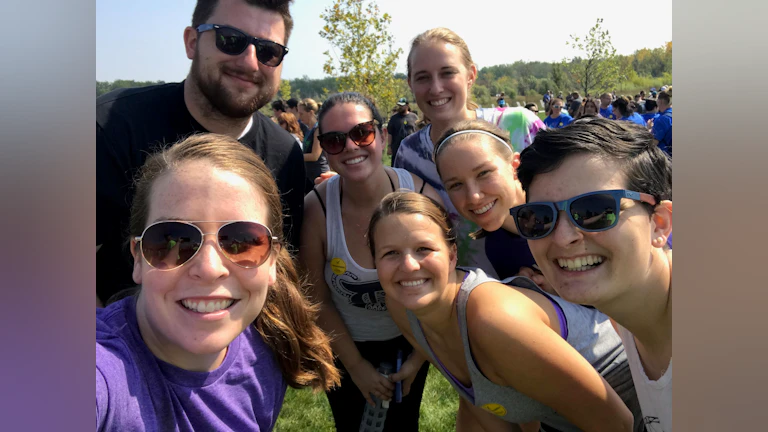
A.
pixel 364 59
pixel 558 78
pixel 596 67
pixel 285 89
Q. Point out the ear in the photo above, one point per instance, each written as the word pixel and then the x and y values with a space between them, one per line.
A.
pixel 190 42
pixel 472 75
pixel 383 135
pixel 454 256
pixel 137 261
pixel 515 163
pixel 662 223
pixel 273 264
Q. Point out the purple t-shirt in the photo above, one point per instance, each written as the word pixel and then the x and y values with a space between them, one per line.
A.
pixel 136 391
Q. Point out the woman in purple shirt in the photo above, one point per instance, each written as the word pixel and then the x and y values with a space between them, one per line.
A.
pixel 218 326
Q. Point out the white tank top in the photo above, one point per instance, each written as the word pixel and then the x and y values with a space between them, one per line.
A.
pixel 355 290
pixel 655 396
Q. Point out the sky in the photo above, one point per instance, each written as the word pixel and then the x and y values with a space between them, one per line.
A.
pixel 142 40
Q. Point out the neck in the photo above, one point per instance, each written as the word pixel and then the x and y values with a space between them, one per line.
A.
pixel 439 127
pixel 440 317
pixel 171 353
pixel 369 192
pixel 208 116
pixel 652 325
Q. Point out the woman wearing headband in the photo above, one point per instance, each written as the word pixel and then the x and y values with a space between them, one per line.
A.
pixel 441 74
pixel 477 167
pixel 513 353
pixel 219 325
pixel 340 267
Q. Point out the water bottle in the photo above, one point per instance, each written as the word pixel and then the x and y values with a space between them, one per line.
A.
pixel 374 417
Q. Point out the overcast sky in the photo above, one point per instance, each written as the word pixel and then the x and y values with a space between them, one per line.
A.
pixel 142 40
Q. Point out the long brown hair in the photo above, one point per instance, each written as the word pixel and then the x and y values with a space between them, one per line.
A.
pixel 288 122
pixel 287 321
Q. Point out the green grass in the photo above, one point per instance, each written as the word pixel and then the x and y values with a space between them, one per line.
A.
pixel 304 411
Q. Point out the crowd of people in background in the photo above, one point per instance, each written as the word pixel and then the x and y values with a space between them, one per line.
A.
pixel 523 251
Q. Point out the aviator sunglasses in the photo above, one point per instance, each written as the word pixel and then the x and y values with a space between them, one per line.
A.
pixel 167 245
pixel 590 212
pixel 232 41
pixel 362 134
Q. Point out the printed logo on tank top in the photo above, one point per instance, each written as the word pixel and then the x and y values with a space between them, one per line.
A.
pixel 652 424
pixel 495 409
pixel 364 295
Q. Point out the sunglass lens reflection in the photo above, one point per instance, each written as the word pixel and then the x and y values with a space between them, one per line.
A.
pixel 231 41
pixel 170 244
pixel 535 220
pixel 595 212
pixel 246 244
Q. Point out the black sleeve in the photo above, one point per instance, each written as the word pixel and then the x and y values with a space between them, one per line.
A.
pixel 113 190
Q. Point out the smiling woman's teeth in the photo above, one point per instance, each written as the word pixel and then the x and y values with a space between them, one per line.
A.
pixel 580 263
pixel 207 307
pixel 439 102
pixel 484 209
pixel 354 161
pixel 412 283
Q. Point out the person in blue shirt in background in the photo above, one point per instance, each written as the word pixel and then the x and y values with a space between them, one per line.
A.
pixel 625 110
pixel 606 110
pixel 555 116
pixel 662 125
pixel 651 111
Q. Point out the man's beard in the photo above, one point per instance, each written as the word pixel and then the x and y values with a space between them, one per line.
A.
pixel 224 100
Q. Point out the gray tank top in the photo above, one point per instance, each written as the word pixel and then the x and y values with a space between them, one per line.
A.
pixel 355 290
pixel 589 332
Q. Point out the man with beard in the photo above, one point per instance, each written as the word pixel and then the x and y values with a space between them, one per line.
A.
pixel 237 48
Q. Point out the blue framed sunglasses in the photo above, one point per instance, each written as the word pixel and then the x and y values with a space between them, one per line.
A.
pixel 590 212
pixel 233 41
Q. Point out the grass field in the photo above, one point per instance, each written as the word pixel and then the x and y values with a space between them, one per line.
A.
pixel 304 411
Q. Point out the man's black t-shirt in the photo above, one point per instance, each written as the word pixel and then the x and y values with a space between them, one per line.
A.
pixel 399 127
pixel 133 123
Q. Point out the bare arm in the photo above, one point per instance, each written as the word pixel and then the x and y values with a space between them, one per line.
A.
pixel 312 258
pixel 503 323
pixel 316 149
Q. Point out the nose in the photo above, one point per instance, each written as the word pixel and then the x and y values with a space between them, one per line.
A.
pixel 473 192
pixel 436 86
pixel 248 58
pixel 565 232
pixel 208 264
pixel 410 263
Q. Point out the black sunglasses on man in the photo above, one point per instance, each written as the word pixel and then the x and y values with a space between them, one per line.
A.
pixel 233 41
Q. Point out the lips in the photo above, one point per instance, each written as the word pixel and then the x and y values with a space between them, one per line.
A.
pixel 439 102
pixel 484 209
pixel 207 306
pixel 355 161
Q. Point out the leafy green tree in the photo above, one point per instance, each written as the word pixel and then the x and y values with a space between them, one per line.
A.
pixel 596 67
pixel 363 58
pixel 285 89
pixel 558 77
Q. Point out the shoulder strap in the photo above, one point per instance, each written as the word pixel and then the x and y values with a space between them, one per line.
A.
pixel 421 191
pixel 319 199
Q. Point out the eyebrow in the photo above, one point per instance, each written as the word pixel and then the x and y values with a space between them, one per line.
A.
pixel 441 69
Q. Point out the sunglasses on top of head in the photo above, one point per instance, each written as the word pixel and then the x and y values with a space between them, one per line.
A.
pixel 167 245
pixel 590 212
pixel 232 41
pixel 362 134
